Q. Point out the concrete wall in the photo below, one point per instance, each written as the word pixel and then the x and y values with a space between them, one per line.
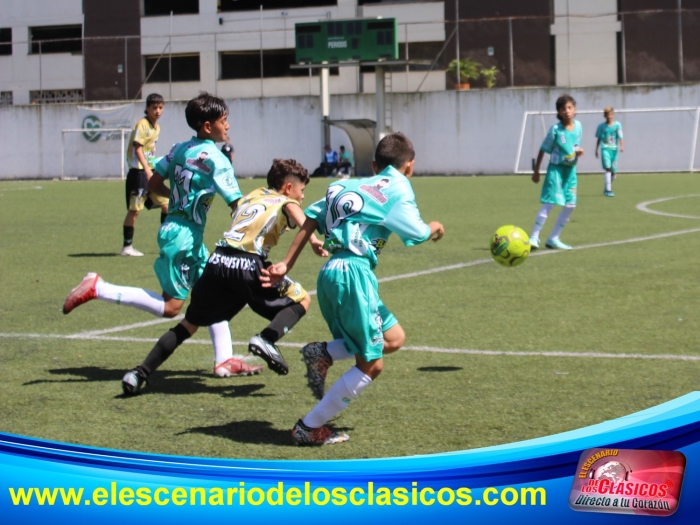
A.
pixel 586 42
pixel 465 132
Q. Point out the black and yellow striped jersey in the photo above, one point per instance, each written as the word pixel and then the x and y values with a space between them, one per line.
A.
pixel 258 222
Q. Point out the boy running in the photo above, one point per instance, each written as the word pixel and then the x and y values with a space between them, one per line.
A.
pixel 563 143
pixel 356 217
pixel 197 171
pixel 141 155
pixel 609 134
pixel 231 279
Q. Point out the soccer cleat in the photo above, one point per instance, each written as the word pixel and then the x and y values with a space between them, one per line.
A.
pixel 236 367
pixel 84 292
pixel 556 244
pixel 303 435
pixel 269 353
pixel 317 362
pixel 132 382
pixel 131 251
pixel 534 243
pixel 608 193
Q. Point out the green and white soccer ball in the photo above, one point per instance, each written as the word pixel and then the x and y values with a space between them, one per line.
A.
pixel 510 246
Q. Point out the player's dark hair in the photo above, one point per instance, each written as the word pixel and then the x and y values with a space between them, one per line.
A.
pixel 394 150
pixel 283 169
pixel 154 98
pixel 204 108
pixel 562 101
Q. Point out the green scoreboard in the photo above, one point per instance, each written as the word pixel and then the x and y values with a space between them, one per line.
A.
pixel 366 39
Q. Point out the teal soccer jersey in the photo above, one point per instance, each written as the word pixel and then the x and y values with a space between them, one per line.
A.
pixel 356 218
pixel 197 171
pixel 359 215
pixel 609 135
pixel 562 144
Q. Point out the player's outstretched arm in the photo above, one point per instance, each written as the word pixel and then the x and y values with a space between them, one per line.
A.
pixel 538 163
pixel 294 212
pixel 274 274
pixel 437 231
pixel 156 184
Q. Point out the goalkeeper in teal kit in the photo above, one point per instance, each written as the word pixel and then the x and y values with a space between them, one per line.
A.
pixel 356 218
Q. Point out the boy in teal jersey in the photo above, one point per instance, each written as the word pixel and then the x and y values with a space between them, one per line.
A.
pixel 609 134
pixel 563 143
pixel 356 218
pixel 197 171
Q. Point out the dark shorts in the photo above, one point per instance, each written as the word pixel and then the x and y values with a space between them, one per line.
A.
pixel 231 280
pixel 137 196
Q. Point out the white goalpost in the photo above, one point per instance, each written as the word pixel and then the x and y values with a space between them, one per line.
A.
pixel 93 153
pixel 656 139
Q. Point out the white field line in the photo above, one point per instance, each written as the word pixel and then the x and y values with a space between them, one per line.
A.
pixel 644 206
pixel 20 189
pixel 83 335
pixel 601 355
pixel 95 335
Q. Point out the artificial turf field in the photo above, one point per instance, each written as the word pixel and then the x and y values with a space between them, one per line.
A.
pixel 494 355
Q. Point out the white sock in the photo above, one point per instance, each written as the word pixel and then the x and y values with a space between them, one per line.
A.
pixel 541 219
pixel 145 300
pixel 220 334
pixel 347 387
pixel 336 349
pixel 608 181
pixel 563 218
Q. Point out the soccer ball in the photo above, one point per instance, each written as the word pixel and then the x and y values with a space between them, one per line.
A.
pixel 510 245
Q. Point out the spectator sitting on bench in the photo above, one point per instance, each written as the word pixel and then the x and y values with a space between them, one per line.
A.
pixel 345 163
pixel 330 160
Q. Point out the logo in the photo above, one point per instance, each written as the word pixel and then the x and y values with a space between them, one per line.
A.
pixel 375 190
pixel 94 123
pixel 199 163
pixel 618 481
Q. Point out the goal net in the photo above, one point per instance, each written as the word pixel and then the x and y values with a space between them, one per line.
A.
pixel 94 153
pixel 656 139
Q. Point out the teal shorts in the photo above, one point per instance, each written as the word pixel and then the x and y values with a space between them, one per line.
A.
pixel 183 256
pixel 348 295
pixel 609 158
pixel 559 185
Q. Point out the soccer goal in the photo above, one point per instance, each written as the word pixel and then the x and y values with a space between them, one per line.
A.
pixel 656 139
pixel 93 153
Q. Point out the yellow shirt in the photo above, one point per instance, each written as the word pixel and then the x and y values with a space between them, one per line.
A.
pixel 258 222
pixel 146 135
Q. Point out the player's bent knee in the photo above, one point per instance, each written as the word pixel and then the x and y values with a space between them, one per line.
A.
pixel 394 338
pixel 172 307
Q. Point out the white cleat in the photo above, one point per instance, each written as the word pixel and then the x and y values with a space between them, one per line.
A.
pixel 130 251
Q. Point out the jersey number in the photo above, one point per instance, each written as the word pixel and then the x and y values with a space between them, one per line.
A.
pixel 242 219
pixel 342 207
pixel 183 179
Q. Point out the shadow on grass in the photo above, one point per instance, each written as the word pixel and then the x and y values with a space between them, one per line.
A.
pixel 162 382
pixel 92 254
pixel 252 432
pixel 440 368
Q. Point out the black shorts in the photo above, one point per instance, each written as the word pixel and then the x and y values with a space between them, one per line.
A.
pixel 137 196
pixel 231 280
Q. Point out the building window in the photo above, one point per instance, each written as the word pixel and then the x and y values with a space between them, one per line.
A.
pixel 5 41
pixel 276 62
pixel 164 7
pixel 5 98
pixel 54 96
pixel 185 68
pixel 254 5
pixel 56 39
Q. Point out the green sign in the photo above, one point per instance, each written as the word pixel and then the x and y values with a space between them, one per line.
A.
pixel 366 39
